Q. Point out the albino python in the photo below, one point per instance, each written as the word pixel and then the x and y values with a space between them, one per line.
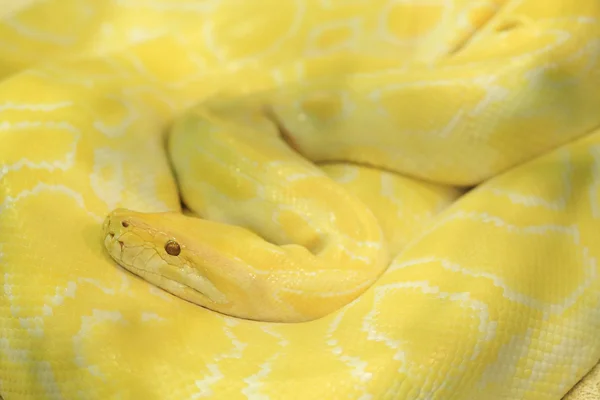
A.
pixel 383 199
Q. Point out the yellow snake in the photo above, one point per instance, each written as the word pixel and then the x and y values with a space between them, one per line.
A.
pixel 415 186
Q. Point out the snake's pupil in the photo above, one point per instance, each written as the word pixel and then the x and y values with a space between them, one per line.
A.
pixel 172 248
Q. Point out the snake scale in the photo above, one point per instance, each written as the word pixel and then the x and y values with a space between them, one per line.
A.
pixel 449 148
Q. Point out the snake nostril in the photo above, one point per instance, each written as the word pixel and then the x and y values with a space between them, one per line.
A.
pixel 121 244
pixel 124 224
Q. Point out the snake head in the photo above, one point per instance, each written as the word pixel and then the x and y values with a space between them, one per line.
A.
pixel 155 247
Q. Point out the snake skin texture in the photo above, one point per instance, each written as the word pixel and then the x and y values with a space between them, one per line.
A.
pixel 469 129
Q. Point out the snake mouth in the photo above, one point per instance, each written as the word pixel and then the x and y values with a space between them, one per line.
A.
pixel 141 272
pixel 172 286
pixel 109 240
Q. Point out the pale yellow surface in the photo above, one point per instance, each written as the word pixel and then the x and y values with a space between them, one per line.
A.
pixel 588 388
pixel 491 294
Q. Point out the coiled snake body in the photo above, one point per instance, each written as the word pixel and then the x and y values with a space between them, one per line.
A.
pixel 396 200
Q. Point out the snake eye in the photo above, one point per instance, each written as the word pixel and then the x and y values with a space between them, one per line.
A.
pixel 125 224
pixel 172 248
